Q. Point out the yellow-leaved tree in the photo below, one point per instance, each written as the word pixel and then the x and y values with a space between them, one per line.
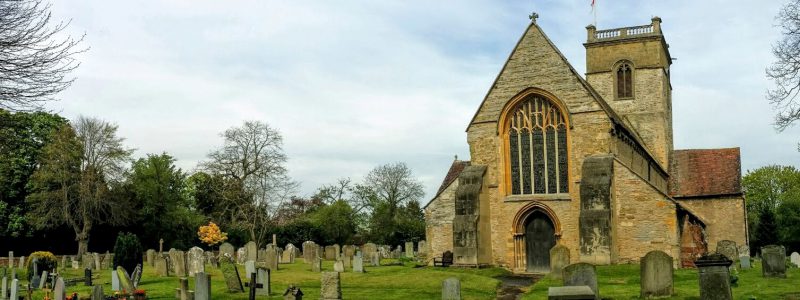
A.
pixel 211 234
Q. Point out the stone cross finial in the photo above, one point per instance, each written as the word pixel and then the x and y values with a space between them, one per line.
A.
pixel 161 246
pixel 533 16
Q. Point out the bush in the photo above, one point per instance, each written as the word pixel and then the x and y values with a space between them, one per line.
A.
pixel 127 251
pixel 45 260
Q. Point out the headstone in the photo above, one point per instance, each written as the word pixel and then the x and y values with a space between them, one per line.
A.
pixel 581 274
pixel 728 248
pixel 59 293
pixel 114 281
pixel 330 286
pixel 316 265
pixel 338 266
pixel 358 264
pixel 162 266
pixel 262 281
pixel 293 293
pixel 347 262
pixel 125 282
pixel 375 259
pixel 226 248
pixel 369 248
pixel 22 262
pixel 76 265
pixel 744 262
pixel 136 276
pixel 87 261
pixel 559 258
pixel 287 256
pixel 202 286
pixel 43 280
pixel 151 257
pixel 63 262
pixel 410 249
pixel 397 252
pixel 744 250
pixel 108 261
pixel 241 255
pixel 11 259
pixel 195 261
pixel 4 288
pixel 271 258
pixel 715 281
pixel 251 251
pixel 177 261
pixel 773 261
pixel 337 250
pixel 97 262
pixel 309 253
pixel 249 268
pixel 184 288
pixel 87 277
pixel 656 275
pixel 451 289
pixel 330 253
pixel 569 292
pixel 348 250
pixel 97 293
pixel 13 289
pixel 231 274
pixel 422 248
pixel 795 259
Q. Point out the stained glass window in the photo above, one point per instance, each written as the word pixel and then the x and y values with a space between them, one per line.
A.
pixel 537 148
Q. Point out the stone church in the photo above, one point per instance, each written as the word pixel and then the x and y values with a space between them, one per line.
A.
pixel 585 162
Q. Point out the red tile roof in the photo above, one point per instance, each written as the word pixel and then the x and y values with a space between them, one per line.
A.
pixel 705 172
pixel 452 175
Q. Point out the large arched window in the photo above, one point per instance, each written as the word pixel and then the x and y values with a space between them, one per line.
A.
pixel 624 80
pixel 537 147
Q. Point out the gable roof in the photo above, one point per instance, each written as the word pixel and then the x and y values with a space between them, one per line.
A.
pixel 455 169
pixel 705 172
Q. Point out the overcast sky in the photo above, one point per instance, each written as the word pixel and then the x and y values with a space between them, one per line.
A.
pixel 355 84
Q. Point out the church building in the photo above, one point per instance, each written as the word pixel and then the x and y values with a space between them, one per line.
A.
pixel 584 162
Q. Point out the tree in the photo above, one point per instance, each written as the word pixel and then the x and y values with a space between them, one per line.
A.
pixel 767 230
pixel 336 222
pixel 785 71
pixel 767 189
pixel 788 221
pixel 388 188
pixel 252 159
pixel 102 148
pixel 35 57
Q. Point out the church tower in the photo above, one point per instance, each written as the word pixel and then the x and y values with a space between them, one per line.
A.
pixel 629 67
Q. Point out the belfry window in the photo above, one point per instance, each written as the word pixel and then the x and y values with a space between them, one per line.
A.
pixel 624 81
pixel 537 148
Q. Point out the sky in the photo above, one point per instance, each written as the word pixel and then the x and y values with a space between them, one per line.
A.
pixel 356 84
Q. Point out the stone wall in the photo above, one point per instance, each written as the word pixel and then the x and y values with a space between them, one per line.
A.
pixel 724 218
pixel 439 221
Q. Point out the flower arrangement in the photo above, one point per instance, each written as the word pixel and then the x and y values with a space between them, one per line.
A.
pixel 139 294
pixel 121 295
pixel 74 296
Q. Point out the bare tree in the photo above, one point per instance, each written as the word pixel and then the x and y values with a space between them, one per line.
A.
pixel 252 156
pixel 102 148
pixel 35 57
pixel 394 184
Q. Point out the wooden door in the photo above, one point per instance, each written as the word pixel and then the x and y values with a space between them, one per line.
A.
pixel 539 239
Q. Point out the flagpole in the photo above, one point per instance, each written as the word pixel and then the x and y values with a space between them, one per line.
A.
pixel 594 11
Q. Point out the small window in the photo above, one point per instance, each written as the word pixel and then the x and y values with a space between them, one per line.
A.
pixel 624 81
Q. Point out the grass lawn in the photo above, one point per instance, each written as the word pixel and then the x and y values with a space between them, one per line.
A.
pixel 622 282
pixel 384 282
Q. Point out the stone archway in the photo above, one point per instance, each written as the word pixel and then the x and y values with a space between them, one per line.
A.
pixel 536 230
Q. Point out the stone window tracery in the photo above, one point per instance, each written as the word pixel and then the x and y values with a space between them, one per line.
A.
pixel 537 148
pixel 624 80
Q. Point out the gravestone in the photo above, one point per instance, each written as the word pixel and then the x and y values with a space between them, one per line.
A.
pixel 744 262
pixel 559 258
pixel 87 277
pixel 330 286
pixel 451 289
pixel 151 257
pixel 422 248
pixel 226 248
pixel 4 288
pixel 59 293
pixel 262 281
pixel 202 286
pixel 162 266
pixel 656 275
pixel 87 261
pixel 136 276
pixel 262 256
pixel 773 261
pixel 14 288
pixel 251 251
pixel 108 261
pixel 177 260
pixel 330 253
pixel 569 292
pixel 63 264
pixel 43 280
pixel 241 255
pixel 581 274
pixel 728 248
pixel 76 265
pixel 308 252
pixel 249 268
pixel 114 281
pixel 97 262
pixel 375 259
pixel 316 265
pixel 358 264
pixel 22 262
pixel 97 293
pixel 271 258
pixel 348 250
pixel 195 261
pixel 385 251
pixel 369 248
pixel 287 256
pixel 795 259
pixel 231 274
pixel 338 266
pixel 744 250
pixel 397 252
pixel 124 279
pixel 184 289
pixel 337 250
pixel 410 249
pixel 715 281
pixel 347 262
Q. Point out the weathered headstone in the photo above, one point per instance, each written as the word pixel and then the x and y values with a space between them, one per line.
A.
pixel 231 274
pixel 97 262
pixel 97 293
pixel 4 288
pixel 87 261
pixel 22 262
pixel 14 288
pixel 330 253
pixel 184 288
pixel 309 253
pixel 287 256
pixel 76 265
pixel 715 281
pixel 348 250
pixel 347 262
pixel 63 264
pixel 338 266
pixel 409 249
pixel 136 276
pixel 241 255
pixel 744 262
pixel 375 259
pixel 773 261
pixel 177 260
pixel 249 268
pixel 422 248
pixel 330 286
pixel 195 261
pixel 227 248
pixel 795 259
pixel 397 252
pixel 115 281
pixel 43 280
pixel 108 261
pixel 162 266
pixel 559 258
pixel 87 277
pixel 151 257
pixel 744 250
pixel 316 265
pixel 451 289
pixel 262 281
pixel 202 286
pixel 251 251
pixel 728 248
pixel 358 264
pixel 59 293
pixel 581 274
pixel 271 258
pixel 369 248
pixel 656 275
pixel 124 279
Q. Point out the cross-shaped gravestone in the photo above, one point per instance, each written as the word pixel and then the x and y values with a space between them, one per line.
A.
pixel 253 286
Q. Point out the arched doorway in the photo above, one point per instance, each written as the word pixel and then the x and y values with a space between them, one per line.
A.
pixel 539 239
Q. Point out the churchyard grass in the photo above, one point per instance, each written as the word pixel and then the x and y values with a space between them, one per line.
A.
pixel 384 282
pixel 622 282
